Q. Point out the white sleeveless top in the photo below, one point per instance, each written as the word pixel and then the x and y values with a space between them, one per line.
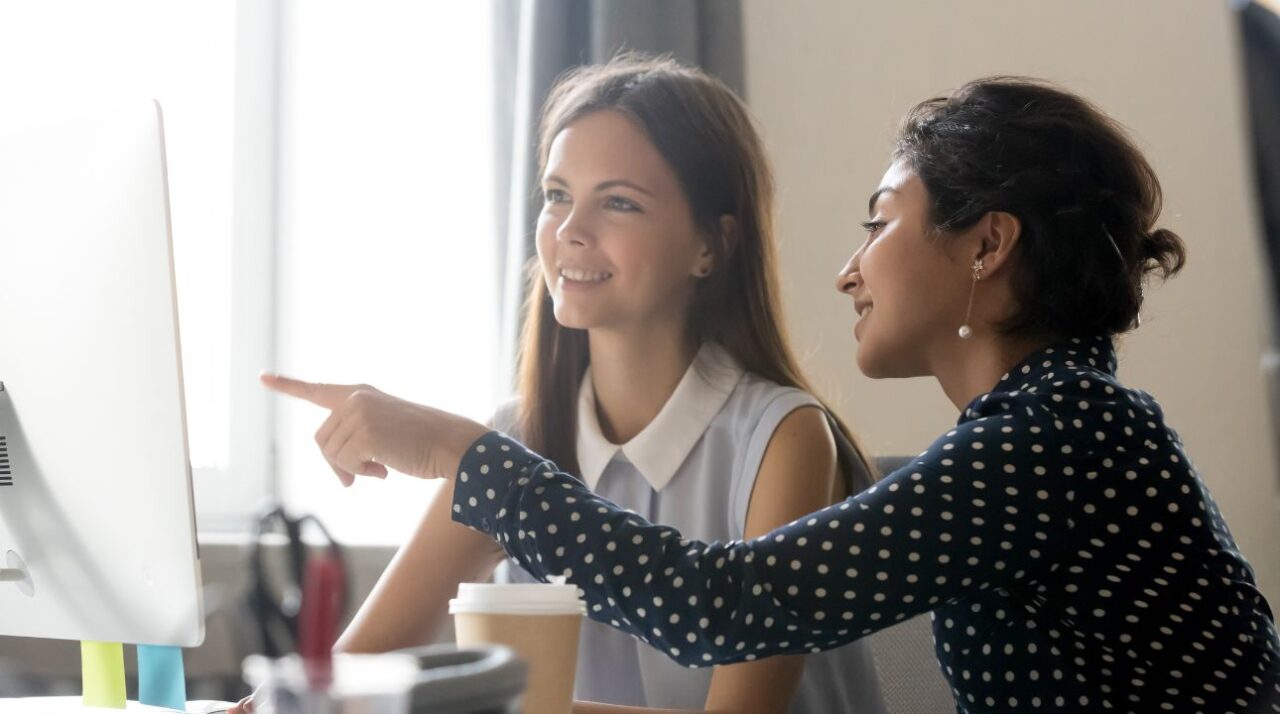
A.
pixel 694 467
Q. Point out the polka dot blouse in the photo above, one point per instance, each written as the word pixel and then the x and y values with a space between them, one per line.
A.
pixel 1070 553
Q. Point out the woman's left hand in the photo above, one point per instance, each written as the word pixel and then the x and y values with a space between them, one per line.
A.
pixel 369 432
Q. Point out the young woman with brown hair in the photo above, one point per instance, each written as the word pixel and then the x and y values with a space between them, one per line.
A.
pixel 654 363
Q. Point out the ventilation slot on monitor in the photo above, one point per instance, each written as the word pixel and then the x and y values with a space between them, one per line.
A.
pixel 6 473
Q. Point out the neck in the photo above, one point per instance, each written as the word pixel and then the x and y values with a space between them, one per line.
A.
pixel 634 373
pixel 972 368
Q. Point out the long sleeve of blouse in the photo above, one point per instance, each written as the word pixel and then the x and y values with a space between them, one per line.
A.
pixel 1059 533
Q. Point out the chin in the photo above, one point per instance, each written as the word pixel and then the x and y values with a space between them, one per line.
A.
pixel 573 322
pixel 885 363
pixel 868 364
pixel 574 319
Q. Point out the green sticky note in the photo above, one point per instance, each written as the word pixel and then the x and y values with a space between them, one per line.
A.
pixel 161 679
pixel 102 670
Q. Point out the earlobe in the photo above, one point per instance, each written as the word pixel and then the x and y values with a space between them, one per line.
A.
pixel 705 261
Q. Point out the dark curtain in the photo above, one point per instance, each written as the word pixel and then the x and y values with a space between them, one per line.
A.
pixel 1260 44
pixel 1260 35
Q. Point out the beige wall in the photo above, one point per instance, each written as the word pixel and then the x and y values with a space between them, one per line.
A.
pixel 828 82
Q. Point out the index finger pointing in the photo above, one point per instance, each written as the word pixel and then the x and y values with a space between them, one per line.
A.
pixel 328 396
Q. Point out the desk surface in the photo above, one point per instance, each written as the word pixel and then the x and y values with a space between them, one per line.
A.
pixel 74 705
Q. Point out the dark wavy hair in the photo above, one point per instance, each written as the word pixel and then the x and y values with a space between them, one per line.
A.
pixel 1086 197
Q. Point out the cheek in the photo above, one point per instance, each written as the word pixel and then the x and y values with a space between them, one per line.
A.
pixel 893 280
pixel 545 239
pixel 879 268
pixel 924 299
pixel 546 227
pixel 635 258
pixel 671 250
pixel 639 255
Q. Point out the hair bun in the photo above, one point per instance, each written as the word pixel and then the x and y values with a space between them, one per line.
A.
pixel 1162 251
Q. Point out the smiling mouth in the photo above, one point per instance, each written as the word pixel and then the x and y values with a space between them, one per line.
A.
pixel 864 311
pixel 584 276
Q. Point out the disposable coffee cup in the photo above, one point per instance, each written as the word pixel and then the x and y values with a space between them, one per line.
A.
pixel 540 621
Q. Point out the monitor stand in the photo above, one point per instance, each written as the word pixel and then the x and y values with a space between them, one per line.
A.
pixel 101 670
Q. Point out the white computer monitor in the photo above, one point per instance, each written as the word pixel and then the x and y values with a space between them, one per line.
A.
pixel 97 522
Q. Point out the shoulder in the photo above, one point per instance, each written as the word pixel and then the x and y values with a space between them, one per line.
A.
pixel 797 474
pixel 1071 423
pixel 802 436
pixel 772 404
pixel 757 409
pixel 786 453
pixel 1083 409
pixel 505 417
pixel 761 401
pixel 755 388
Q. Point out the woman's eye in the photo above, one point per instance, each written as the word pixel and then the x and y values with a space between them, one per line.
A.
pixel 617 203
pixel 555 195
pixel 873 227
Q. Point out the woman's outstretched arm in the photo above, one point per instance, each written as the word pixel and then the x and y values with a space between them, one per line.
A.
pixel 943 526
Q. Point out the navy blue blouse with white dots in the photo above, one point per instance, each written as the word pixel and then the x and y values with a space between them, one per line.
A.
pixel 1070 553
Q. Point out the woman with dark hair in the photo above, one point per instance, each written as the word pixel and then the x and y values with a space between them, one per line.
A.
pixel 1069 552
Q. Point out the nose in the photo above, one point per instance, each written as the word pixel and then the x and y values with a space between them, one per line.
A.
pixel 850 276
pixel 573 229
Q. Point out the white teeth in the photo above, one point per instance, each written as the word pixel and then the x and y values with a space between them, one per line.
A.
pixel 863 312
pixel 584 276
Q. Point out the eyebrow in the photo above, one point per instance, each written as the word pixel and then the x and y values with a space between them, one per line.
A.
pixel 603 185
pixel 871 204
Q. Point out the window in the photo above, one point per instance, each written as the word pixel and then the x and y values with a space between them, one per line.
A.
pixel 330 168
pixel 387 258
pixel 82 54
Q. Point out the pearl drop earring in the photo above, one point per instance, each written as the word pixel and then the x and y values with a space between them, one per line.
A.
pixel 965 331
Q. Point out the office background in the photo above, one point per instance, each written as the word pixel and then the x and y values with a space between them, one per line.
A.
pixel 335 166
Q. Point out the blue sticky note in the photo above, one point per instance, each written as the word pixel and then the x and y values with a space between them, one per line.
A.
pixel 162 681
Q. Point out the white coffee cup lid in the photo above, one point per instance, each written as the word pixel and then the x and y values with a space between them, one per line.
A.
pixel 556 598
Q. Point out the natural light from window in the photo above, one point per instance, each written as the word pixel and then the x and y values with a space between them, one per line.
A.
pixel 71 56
pixel 387 260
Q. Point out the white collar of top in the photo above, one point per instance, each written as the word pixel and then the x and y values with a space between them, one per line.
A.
pixel 660 448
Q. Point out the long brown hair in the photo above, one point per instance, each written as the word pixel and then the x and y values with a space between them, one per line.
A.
pixel 703 131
